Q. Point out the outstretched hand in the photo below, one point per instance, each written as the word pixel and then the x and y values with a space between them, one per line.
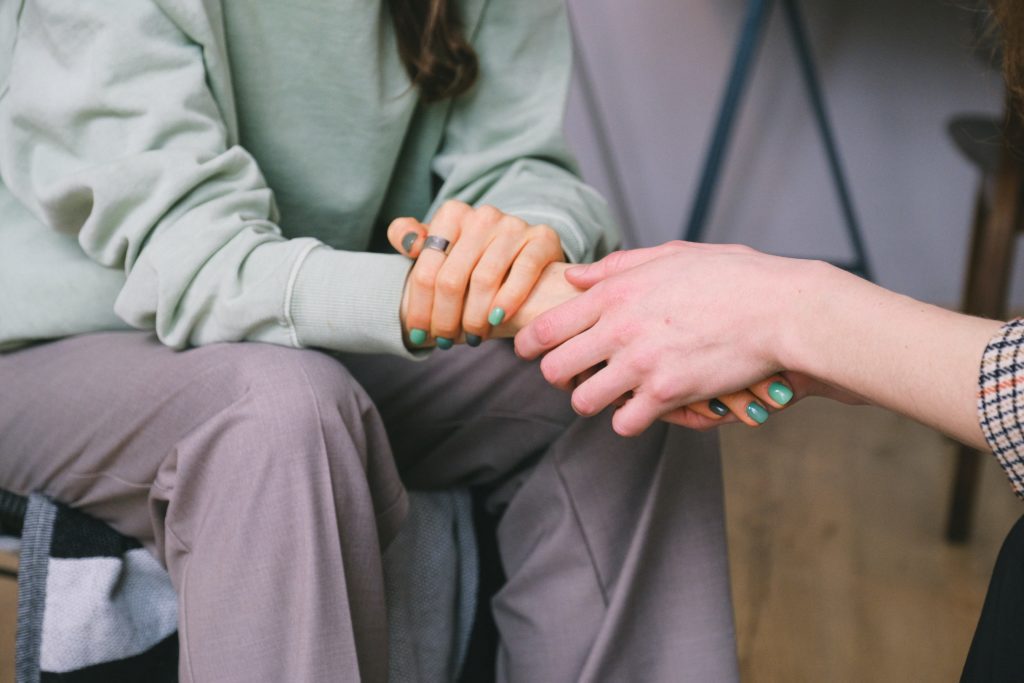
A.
pixel 671 328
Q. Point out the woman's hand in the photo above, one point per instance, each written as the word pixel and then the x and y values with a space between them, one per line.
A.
pixel 492 265
pixel 683 323
pixel 773 394
pixel 752 405
pixel 672 328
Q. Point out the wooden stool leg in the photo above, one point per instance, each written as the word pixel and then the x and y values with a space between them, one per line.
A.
pixel 988 280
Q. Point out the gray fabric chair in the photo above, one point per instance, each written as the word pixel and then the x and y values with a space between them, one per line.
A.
pixel 431 573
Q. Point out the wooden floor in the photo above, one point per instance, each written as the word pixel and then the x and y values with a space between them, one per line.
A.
pixel 839 569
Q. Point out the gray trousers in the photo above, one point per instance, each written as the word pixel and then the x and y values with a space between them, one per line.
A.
pixel 268 480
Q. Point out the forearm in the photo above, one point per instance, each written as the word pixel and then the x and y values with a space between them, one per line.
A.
pixel 914 358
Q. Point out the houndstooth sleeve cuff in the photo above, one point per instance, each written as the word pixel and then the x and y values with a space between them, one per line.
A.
pixel 1001 400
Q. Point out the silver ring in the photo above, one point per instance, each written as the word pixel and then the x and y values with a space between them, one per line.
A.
pixel 437 243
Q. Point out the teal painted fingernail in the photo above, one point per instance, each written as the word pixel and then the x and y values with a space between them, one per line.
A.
pixel 780 393
pixel 417 336
pixel 408 241
pixel 757 413
pixel 444 343
pixel 496 316
pixel 718 408
pixel 473 340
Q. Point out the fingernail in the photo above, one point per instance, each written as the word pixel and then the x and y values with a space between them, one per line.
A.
pixel 496 316
pixel 473 340
pixel 417 336
pixel 757 413
pixel 780 393
pixel 718 408
pixel 408 241
pixel 444 343
pixel 576 270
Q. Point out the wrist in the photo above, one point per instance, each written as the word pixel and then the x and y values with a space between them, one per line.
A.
pixel 810 304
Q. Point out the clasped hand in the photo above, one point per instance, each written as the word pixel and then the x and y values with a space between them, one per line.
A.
pixel 492 266
pixel 646 330
pixel 682 332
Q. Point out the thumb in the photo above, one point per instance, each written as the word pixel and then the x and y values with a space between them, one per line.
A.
pixel 589 275
pixel 406 236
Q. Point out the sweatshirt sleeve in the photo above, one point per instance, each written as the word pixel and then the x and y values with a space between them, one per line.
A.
pixel 504 142
pixel 109 131
pixel 1001 400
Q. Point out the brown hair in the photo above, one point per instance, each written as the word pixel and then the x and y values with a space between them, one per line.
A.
pixel 1010 16
pixel 433 48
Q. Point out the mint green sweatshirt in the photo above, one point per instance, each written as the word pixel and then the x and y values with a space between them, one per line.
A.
pixel 222 171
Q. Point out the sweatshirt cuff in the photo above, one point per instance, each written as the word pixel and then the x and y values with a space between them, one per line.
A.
pixel 350 301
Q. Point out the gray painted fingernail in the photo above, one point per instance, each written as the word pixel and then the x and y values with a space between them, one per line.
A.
pixel 408 241
pixel 718 408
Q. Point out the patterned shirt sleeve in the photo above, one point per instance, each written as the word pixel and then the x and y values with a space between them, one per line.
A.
pixel 1001 400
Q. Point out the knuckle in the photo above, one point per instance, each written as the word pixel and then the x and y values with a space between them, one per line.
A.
pixel 451 210
pixel 530 261
pixel 638 364
pixel 625 426
pixel 454 205
pixel 485 278
pixel 615 260
pixel 581 403
pixel 622 332
pixel 423 278
pixel 443 211
pixel 542 232
pixel 512 226
pixel 450 284
pixel 487 215
pixel 547 236
pixel 551 369
pixel 543 329
pixel 663 390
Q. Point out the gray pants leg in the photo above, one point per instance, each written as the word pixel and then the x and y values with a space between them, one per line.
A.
pixel 260 476
pixel 614 548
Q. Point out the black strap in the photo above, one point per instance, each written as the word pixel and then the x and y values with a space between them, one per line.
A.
pixel 12 512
